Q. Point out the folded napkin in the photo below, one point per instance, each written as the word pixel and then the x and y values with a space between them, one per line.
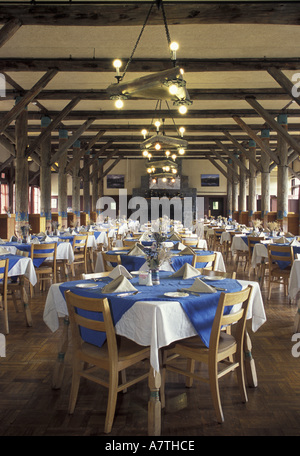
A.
pixel 187 251
pixel 174 237
pixel 289 235
pixel 136 251
pixel 281 240
pixel 41 234
pixel 295 243
pixel 35 241
pixel 2 242
pixel 180 246
pixel 200 287
pixel 3 251
pixel 119 270
pixel 118 284
pixel 48 239
pixel 186 271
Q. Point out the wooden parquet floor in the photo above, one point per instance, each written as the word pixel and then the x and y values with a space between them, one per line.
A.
pixel 30 407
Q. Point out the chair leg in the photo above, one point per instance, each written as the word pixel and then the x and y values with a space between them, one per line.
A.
pixel 5 309
pixel 112 401
pixel 190 368
pixel 74 386
pixel 215 393
pixel 241 377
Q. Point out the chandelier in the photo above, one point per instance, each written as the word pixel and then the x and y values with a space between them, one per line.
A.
pixel 164 85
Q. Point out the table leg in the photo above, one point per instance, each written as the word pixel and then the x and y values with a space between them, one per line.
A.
pixel 250 368
pixel 59 368
pixel 24 300
pixel 154 404
pixel 297 316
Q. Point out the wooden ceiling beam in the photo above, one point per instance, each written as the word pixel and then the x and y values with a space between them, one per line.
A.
pixel 274 124
pixel 134 13
pixel 165 114
pixel 195 94
pixel 149 65
pixel 231 155
pixel 8 30
pixel 27 98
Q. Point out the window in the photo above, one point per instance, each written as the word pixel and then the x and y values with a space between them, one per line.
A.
pixel 4 198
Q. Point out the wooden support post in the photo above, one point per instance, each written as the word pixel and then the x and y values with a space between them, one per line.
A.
pixel 265 180
pixel 76 185
pixel 229 195
pixel 86 186
pixel 95 192
pixel 62 181
pixel 45 178
pixel 21 169
pixel 235 188
pixel 282 177
pixel 243 188
pixel 252 207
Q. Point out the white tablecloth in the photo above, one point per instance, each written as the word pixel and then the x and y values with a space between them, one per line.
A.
pixel 156 324
pixel 238 243
pixel 25 268
pixel 220 265
pixel 294 283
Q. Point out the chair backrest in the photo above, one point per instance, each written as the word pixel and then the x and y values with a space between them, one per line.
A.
pixel 237 317
pixel 40 252
pixel 252 240
pixel 4 275
pixel 100 327
pixel 282 255
pixel 209 258
pixel 80 243
pixel 94 275
pixel 218 233
pixel 128 243
pixel 210 272
pixel 110 261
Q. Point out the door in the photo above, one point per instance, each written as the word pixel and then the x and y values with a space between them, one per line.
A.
pixel 216 206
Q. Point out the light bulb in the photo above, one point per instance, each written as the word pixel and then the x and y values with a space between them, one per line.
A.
pixel 145 153
pixel 173 89
pixel 182 130
pixel 164 179
pixel 173 180
pixel 157 146
pixel 149 170
pixel 168 153
pixel 157 124
pixel 167 168
pixel 144 133
pixel 174 171
pixel 182 109
pixel 181 151
pixel 174 47
pixel 153 169
pixel 149 155
pixel 153 181
pixel 174 156
pixel 117 64
pixel 119 103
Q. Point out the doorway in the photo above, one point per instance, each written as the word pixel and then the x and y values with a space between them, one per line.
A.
pixel 216 206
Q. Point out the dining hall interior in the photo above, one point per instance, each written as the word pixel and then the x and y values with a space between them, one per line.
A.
pixel 150 173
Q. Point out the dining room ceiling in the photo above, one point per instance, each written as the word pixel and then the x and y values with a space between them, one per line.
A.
pixel 227 49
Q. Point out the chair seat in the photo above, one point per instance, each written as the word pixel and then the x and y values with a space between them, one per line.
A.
pixel 127 349
pixel 226 341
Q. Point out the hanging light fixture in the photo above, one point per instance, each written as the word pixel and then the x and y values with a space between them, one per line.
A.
pixel 165 85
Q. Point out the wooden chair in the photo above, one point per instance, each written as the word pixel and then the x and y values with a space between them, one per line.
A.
pixel 225 275
pixel 108 259
pixel 128 243
pixel 113 356
pixel 46 272
pixel 79 246
pixel 252 240
pixel 222 347
pixel 217 239
pixel 211 258
pixel 281 259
